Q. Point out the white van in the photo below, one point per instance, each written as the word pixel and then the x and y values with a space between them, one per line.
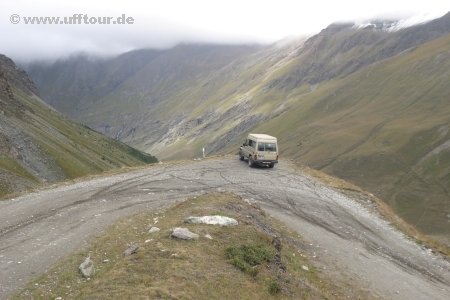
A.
pixel 259 149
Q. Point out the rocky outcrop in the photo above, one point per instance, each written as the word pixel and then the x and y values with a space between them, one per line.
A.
pixel 17 77
pixel 9 106
pixel 5 88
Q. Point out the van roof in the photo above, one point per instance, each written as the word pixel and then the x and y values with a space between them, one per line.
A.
pixel 262 136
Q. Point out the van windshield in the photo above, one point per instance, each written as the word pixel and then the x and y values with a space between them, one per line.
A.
pixel 270 147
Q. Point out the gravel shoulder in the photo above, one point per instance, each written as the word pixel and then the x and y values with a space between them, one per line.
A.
pixel 346 240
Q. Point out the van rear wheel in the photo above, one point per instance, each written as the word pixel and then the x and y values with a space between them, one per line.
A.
pixel 271 165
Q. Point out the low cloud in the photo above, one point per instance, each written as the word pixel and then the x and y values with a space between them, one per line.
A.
pixel 163 25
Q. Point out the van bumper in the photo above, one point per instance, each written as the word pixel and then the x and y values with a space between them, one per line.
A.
pixel 264 162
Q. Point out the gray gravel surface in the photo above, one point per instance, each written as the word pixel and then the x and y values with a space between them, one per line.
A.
pixel 345 238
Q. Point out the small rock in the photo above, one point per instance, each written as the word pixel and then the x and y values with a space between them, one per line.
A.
pixel 183 233
pixel 154 229
pixel 305 268
pixel 131 249
pixel 87 267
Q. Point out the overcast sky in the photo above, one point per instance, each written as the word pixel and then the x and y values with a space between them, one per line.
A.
pixel 164 23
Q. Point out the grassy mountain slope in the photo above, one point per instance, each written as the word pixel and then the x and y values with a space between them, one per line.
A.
pixel 385 128
pixel 38 144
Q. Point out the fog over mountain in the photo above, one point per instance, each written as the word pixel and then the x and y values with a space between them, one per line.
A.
pixel 74 27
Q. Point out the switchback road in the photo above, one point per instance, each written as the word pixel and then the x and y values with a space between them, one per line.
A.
pixel 345 238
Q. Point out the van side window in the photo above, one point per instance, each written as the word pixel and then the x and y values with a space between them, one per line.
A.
pixel 272 147
pixel 260 146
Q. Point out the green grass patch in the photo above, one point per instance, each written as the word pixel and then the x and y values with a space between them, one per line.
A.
pixel 4 190
pixel 145 157
pixel 11 165
pixel 247 257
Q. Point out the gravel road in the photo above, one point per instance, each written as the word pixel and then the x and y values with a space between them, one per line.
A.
pixel 346 239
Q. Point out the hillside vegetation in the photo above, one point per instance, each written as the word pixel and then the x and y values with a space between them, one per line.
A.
pixel 384 128
pixel 39 145
pixel 364 104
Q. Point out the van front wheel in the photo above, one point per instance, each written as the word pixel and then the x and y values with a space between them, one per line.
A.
pixel 250 161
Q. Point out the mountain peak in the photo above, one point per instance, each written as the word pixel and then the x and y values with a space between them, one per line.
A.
pixel 395 24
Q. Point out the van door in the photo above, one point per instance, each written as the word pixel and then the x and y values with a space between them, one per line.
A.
pixel 249 148
pixel 268 150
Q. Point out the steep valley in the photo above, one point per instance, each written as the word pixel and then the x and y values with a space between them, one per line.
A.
pixel 367 105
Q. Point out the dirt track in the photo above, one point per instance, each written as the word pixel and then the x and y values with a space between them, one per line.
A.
pixel 345 238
